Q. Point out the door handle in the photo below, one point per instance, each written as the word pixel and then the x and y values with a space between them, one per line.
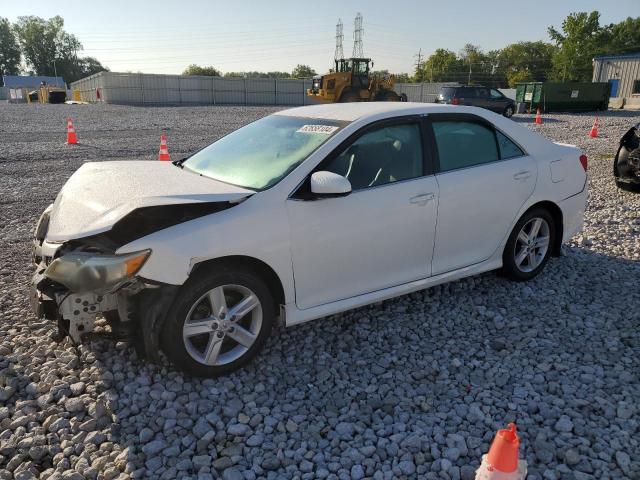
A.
pixel 522 175
pixel 422 199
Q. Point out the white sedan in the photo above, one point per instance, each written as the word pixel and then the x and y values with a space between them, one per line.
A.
pixel 302 214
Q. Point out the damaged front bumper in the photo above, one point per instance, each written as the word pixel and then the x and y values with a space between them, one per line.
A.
pixel 135 311
pixel 73 286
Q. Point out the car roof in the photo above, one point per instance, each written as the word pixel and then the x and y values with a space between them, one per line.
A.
pixel 349 112
pixel 361 113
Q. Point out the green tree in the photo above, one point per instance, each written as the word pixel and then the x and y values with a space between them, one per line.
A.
pixel 194 69
pixel 303 71
pixel 526 61
pixel 45 43
pixel 519 76
pixel 579 41
pixel 402 78
pixel 441 66
pixel 85 67
pixel 9 49
pixel 623 37
pixel 48 49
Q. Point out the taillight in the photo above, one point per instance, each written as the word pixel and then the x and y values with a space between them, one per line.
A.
pixel 584 161
pixel 455 101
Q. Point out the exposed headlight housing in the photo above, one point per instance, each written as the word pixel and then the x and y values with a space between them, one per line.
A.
pixel 89 272
pixel 43 223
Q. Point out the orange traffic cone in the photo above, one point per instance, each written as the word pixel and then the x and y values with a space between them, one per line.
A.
pixel 72 139
pixel 538 117
pixel 164 152
pixel 594 130
pixel 501 463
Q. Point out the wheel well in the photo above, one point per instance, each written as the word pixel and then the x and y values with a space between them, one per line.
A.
pixel 556 213
pixel 265 272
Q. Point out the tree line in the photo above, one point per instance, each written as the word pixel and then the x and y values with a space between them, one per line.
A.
pixel 568 57
pixel 301 71
pixel 35 46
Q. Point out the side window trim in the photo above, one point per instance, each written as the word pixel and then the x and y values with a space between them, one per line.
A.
pixel 464 117
pixel 428 162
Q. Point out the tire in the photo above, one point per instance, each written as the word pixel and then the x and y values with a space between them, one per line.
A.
pixel 349 96
pixel 509 111
pixel 388 96
pixel 217 333
pixel 514 265
pixel 628 187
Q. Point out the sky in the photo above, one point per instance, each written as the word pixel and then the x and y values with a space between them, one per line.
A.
pixel 165 36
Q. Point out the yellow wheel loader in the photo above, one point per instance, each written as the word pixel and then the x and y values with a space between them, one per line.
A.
pixel 352 82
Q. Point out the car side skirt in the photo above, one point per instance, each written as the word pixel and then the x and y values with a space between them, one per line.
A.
pixel 294 316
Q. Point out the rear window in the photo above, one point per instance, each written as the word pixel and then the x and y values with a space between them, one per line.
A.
pixel 447 92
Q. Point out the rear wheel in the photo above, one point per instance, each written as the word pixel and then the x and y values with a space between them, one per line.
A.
pixel 509 111
pixel 218 322
pixel 529 246
pixel 388 96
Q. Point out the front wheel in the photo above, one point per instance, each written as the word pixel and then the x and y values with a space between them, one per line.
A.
pixel 529 246
pixel 218 322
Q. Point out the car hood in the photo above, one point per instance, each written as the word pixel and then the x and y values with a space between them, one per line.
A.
pixel 99 194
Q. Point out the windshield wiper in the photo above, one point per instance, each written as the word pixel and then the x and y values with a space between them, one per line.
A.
pixel 178 163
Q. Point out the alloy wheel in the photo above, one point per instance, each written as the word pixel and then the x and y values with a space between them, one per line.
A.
pixel 532 244
pixel 222 325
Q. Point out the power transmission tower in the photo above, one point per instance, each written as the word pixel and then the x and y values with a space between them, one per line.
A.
pixel 357 37
pixel 339 55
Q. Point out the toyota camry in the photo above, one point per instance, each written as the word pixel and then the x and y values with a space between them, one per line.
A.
pixel 302 214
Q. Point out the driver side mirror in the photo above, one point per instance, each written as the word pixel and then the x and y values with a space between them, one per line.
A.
pixel 328 184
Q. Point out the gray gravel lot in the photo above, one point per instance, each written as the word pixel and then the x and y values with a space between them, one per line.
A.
pixel 409 388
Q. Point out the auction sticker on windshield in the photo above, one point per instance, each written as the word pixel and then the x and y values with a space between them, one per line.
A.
pixel 326 129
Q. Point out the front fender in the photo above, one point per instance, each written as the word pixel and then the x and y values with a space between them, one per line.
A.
pixel 244 230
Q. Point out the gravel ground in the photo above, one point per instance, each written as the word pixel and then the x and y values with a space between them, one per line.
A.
pixel 409 388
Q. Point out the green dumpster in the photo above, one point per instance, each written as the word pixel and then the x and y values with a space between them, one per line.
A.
pixel 564 96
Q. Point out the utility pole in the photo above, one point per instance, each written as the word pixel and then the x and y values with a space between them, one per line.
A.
pixel 357 37
pixel 418 64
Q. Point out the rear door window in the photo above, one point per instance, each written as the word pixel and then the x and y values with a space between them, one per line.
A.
pixel 463 144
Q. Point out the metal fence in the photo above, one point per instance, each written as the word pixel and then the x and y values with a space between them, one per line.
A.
pixel 152 89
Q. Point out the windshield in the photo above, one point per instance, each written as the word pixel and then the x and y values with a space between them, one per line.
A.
pixel 262 153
